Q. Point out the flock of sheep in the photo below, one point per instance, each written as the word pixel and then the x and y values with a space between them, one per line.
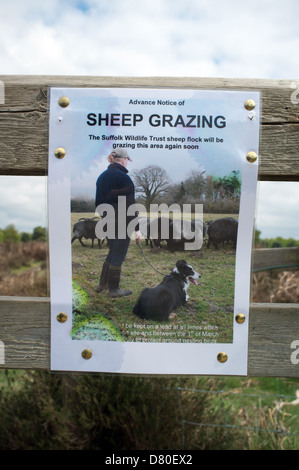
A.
pixel 217 232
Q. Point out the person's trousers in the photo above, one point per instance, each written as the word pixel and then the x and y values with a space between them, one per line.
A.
pixel 118 249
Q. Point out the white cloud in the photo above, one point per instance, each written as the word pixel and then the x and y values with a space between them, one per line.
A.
pixel 157 37
pixel 277 209
pixel 148 38
pixel 23 202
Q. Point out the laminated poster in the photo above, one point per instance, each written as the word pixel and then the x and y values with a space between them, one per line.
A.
pixel 179 211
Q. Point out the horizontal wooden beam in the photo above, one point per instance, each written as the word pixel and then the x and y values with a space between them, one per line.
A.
pixel 24 118
pixel 284 259
pixel 25 332
pixel 272 330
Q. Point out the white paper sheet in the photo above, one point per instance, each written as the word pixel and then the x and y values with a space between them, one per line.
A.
pixel 185 132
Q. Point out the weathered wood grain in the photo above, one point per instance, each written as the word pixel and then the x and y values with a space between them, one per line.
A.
pixel 276 258
pixel 25 332
pixel 272 329
pixel 24 118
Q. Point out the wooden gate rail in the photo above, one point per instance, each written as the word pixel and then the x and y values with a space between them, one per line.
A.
pixel 24 119
pixel 25 327
pixel 25 322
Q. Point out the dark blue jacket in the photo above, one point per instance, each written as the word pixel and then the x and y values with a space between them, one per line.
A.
pixel 112 183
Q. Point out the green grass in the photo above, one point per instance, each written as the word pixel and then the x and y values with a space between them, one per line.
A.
pixel 11 379
pixel 41 410
pixel 254 402
pixel 207 316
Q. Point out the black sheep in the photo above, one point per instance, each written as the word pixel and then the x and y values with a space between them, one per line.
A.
pixel 223 230
pixel 85 228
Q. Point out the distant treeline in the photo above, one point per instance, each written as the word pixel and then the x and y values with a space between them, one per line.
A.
pixel 80 205
pixel 153 186
pixel 11 234
pixel 224 206
pixel 277 242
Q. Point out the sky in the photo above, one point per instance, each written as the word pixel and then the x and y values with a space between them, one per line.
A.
pixel 169 38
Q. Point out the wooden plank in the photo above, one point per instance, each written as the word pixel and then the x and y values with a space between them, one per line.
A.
pixel 279 152
pixel 25 332
pixel 285 259
pixel 24 119
pixel 272 329
pixel 23 91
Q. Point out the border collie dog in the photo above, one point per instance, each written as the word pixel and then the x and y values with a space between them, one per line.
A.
pixel 157 303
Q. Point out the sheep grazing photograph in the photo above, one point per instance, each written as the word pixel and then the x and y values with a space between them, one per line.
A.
pixel 155 209
pixel 206 313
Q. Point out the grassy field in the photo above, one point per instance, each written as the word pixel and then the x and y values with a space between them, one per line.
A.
pixel 207 316
pixel 46 411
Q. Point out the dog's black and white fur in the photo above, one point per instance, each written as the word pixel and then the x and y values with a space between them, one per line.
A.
pixel 158 303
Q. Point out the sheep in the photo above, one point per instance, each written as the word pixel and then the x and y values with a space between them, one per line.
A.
pixel 222 230
pixel 200 223
pixel 85 228
pixel 174 232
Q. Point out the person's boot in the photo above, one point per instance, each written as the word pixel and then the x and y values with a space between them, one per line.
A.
pixel 103 283
pixel 113 283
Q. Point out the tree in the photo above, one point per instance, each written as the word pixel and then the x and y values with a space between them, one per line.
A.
pixel 151 182
pixel 39 233
pixel 195 185
pixel 180 194
pixel 25 237
pixel 228 186
pixel 10 234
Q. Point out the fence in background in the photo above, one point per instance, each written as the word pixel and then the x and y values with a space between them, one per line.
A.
pixel 265 419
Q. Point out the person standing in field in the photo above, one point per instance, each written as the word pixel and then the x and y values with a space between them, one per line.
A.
pixel 111 184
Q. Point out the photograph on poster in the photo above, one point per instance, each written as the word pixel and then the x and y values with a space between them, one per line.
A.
pixel 151 217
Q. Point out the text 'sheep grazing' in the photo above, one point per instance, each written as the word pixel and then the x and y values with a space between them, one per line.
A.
pixel 156 120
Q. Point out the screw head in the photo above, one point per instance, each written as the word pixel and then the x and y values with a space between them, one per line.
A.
pixel 86 353
pixel 61 317
pixel 222 357
pixel 240 318
pixel 64 101
pixel 249 105
pixel 60 152
pixel 251 157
